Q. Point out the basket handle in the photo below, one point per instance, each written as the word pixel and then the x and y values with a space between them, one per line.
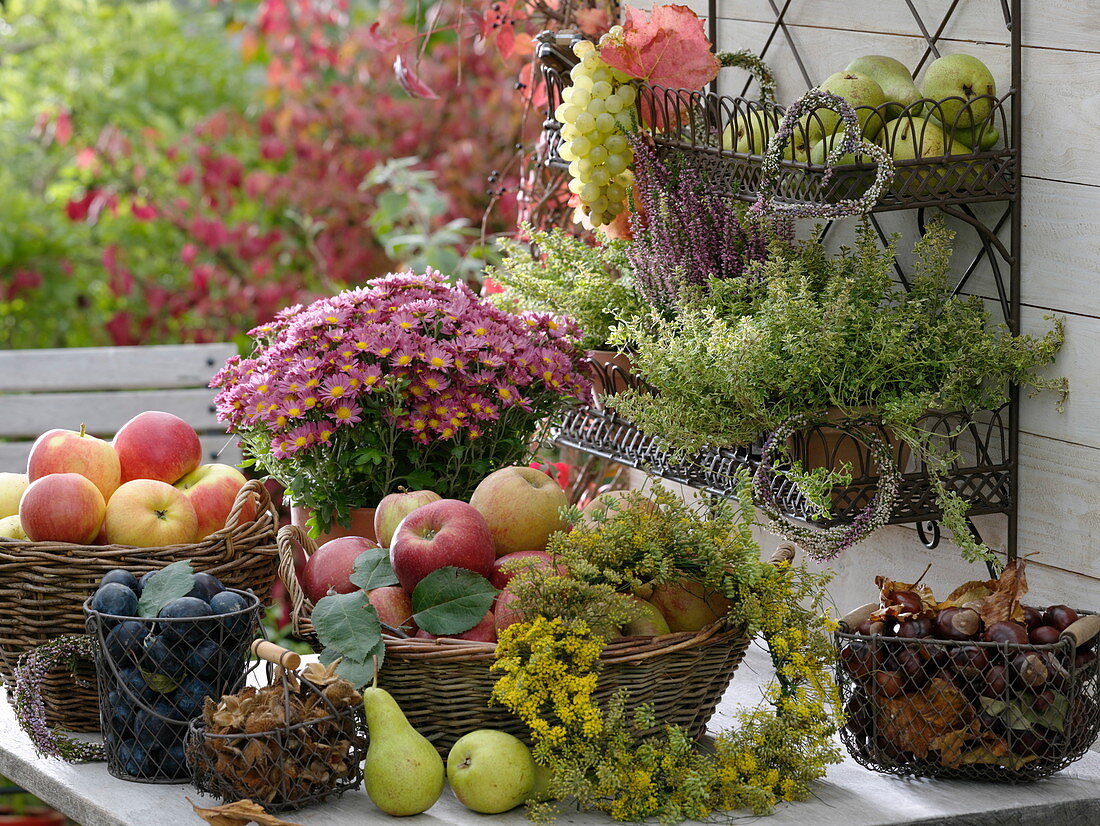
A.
pixel 292 540
pixel 784 552
pixel 276 654
pixel 856 617
pixel 1083 630
pixel 252 489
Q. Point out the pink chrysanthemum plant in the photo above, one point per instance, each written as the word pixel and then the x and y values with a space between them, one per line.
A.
pixel 409 381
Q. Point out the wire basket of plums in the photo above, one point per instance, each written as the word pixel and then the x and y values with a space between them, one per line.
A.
pixel 984 684
pixel 163 645
pixel 298 740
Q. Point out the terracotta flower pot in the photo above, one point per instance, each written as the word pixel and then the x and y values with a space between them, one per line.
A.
pixel 362 524
pixel 610 373
pixel 830 447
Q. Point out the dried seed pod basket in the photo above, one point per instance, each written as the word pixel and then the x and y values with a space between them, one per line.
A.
pixel 286 765
pixel 154 675
pixel 444 685
pixel 43 586
pixel 930 707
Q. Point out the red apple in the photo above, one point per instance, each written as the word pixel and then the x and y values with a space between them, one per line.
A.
pixel 433 536
pixel 61 507
pixel 484 631
pixel 521 506
pixel 503 612
pixel 394 607
pixel 688 606
pixel 502 577
pixel 212 490
pixel 331 567
pixel 147 513
pixel 650 622
pixel 395 507
pixel 67 451
pixel 157 445
pixel 12 486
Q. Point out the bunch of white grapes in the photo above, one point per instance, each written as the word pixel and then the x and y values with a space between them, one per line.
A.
pixel 596 113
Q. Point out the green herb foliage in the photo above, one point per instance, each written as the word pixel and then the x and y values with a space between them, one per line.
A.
pixel 564 275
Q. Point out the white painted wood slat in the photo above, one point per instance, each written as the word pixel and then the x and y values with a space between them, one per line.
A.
pixel 112 368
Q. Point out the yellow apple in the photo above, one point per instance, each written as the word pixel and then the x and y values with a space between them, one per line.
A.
pixel 147 513
pixel 12 486
pixel 522 506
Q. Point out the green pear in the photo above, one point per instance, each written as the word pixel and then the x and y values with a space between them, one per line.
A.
pixel 749 132
pixel 819 152
pixel 957 82
pixel 649 622
pixel 860 91
pixel 11 528
pixel 797 147
pixel 920 138
pixel 979 137
pixel 894 79
pixel 403 773
pixel 490 771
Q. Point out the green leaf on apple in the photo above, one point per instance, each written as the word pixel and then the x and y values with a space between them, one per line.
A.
pixel 451 600
pixel 169 583
pixel 348 625
pixel 357 673
pixel 372 570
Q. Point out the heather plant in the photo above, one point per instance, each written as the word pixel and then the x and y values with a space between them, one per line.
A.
pixel 406 381
pixel 559 273
pixel 687 232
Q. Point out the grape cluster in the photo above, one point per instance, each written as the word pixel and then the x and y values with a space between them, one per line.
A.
pixel 596 111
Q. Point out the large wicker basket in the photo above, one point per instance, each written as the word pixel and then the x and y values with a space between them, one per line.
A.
pixel 444 685
pixel 43 586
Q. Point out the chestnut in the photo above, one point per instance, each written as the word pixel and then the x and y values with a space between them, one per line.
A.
pixel 1060 616
pixel 859 659
pixel 1043 700
pixel 1043 635
pixel 912 629
pixel 958 624
pixel 908 601
pixel 912 665
pixel 996 681
pixel 969 661
pixel 1084 659
pixel 1031 668
pixel 890 683
pixel 1006 631
pixel 1033 617
pixel 868 628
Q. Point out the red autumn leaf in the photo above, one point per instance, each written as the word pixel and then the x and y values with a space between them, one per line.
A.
pixel 667 49
pixel 592 22
pixel 410 82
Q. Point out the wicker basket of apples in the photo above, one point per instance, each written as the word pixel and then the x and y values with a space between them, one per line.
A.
pixel 976 686
pixel 87 506
pixel 443 682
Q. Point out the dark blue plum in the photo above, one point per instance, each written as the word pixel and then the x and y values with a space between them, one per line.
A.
pixel 137 759
pixel 126 641
pixel 186 608
pixel 115 598
pixel 122 577
pixel 237 629
pixel 156 732
pixel 206 587
pixel 189 697
pixel 137 689
pixel 174 762
pixel 121 712
pixel 144 580
pixel 163 665
pixel 205 660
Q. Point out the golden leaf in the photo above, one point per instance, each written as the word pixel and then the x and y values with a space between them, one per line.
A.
pixel 912 722
pixel 1008 589
pixel 238 814
pixel 967 592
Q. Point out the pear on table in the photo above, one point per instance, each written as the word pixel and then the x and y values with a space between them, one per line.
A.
pixel 892 77
pixel 403 773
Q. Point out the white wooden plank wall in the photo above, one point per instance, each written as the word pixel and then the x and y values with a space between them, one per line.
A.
pixel 1060 453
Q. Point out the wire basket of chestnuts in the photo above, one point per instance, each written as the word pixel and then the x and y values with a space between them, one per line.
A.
pixel 979 685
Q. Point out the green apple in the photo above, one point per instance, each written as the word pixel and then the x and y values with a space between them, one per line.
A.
pixel 10 528
pixel 12 486
pixel 894 79
pixel 958 83
pixel 861 92
pixel 749 132
pixel 490 771
pixel 649 622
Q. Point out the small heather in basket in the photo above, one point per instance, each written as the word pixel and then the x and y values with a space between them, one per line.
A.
pixel 407 381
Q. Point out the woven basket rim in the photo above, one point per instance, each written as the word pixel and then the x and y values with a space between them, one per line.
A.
pixel 266 518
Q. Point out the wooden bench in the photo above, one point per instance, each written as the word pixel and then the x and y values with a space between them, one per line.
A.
pixel 104 387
